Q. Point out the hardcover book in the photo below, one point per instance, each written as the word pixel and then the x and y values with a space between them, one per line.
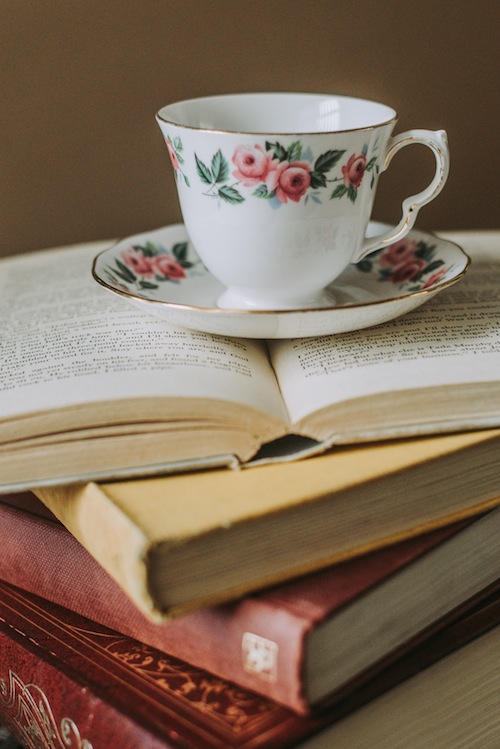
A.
pixel 92 388
pixel 66 681
pixel 181 542
pixel 297 643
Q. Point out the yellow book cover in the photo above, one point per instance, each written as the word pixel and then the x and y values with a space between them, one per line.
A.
pixel 180 542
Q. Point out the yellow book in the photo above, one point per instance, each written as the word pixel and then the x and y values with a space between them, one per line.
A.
pixel 185 541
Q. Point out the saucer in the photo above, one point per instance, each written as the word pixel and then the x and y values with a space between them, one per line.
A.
pixel 160 272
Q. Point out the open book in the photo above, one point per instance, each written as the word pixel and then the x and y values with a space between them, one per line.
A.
pixel 92 388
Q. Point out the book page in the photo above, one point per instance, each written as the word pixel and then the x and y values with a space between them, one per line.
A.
pixel 452 339
pixel 65 340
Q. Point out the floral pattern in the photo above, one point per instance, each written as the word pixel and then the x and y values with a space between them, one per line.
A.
pixel 283 175
pixel 215 178
pixel 407 261
pixel 352 175
pixel 146 266
pixel 175 149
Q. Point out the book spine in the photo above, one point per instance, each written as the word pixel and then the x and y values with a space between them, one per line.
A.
pixel 122 549
pixel 251 643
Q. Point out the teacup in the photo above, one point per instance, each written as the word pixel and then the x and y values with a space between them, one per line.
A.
pixel 276 189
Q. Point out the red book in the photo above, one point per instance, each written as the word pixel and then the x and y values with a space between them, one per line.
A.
pixel 298 643
pixel 67 681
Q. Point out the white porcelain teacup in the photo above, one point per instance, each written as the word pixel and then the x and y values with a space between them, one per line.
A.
pixel 276 189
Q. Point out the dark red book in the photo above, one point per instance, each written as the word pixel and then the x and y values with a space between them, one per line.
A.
pixel 298 643
pixel 69 682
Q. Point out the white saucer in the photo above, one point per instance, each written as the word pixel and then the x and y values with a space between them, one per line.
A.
pixel 160 272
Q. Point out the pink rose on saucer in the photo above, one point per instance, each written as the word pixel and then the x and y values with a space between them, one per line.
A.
pixel 398 253
pixel 140 264
pixel 253 165
pixel 166 267
pixel 401 257
pixel 354 170
pixel 293 181
pixel 407 271
pixel 434 278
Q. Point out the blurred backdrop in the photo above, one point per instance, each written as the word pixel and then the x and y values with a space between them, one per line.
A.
pixel 82 158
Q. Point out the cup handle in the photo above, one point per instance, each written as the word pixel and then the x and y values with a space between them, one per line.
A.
pixel 435 140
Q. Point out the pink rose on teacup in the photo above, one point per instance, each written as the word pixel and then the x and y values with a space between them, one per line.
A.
pixel 140 264
pixel 166 267
pixel 354 170
pixel 293 181
pixel 253 165
pixel 173 155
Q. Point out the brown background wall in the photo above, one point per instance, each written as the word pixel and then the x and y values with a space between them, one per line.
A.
pixel 81 156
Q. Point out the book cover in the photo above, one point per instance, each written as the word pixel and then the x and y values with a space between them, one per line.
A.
pixel 67 681
pixel 182 542
pixel 296 643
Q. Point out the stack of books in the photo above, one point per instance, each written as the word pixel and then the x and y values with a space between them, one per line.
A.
pixel 339 589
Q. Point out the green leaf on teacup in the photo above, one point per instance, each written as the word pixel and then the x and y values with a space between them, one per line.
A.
pixel 261 191
pixel 372 167
pixel 327 160
pixel 220 169
pixel 277 149
pixel 352 193
pixel 318 179
pixel 204 172
pixel 294 152
pixel 230 195
pixel 339 192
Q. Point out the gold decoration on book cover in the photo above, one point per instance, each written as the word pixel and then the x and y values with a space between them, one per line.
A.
pixel 28 708
pixel 227 704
